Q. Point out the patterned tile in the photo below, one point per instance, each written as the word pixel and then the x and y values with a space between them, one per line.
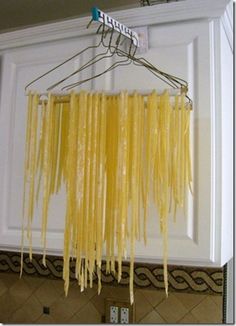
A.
pixel 65 307
pixel 99 300
pixel 218 300
pixel 195 294
pixel 3 287
pixel 74 308
pixel 8 305
pixel 62 310
pixel 58 285
pixel 9 279
pixel 152 318
pixel 207 312
pixel 188 319
pixel 21 317
pixel 45 319
pixel 20 290
pixel 75 292
pixel 171 309
pixel 154 296
pixel 48 293
pixel 120 293
pixel 142 306
pixel 33 282
pixel 3 318
pixel 33 308
pixel 181 278
pixel 87 315
pixel 196 279
pixel 189 300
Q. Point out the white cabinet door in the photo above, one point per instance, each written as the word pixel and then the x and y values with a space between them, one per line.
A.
pixel 19 67
pixel 182 49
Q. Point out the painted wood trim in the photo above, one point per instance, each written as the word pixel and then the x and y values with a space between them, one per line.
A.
pixel 227 22
pixel 159 14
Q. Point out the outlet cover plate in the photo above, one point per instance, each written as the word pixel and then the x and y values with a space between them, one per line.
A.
pixel 124 315
pixel 114 315
pixel 126 310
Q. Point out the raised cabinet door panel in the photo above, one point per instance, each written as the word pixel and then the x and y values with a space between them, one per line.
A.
pixel 182 49
pixel 19 67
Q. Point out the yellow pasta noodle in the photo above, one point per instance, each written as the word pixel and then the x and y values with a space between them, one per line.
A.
pixel 113 155
pixel 26 167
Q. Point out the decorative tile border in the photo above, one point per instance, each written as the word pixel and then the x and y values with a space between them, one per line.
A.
pixel 181 278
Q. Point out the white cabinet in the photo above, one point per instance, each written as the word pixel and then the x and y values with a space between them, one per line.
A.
pixel 190 39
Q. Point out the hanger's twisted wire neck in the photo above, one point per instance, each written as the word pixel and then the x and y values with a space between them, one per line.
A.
pixel 111 50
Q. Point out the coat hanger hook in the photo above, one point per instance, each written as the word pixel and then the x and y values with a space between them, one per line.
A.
pixel 118 39
pixel 135 45
pixel 99 27
pixel 130 47
pixel 104 35
pixel 111 36
pixel 89 23
pixel 123 40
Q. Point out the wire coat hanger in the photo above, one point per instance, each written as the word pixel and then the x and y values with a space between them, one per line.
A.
pixel 68 59
pixel 111 50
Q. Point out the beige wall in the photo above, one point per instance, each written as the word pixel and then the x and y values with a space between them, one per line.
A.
pixel 17 14
pixel 22 301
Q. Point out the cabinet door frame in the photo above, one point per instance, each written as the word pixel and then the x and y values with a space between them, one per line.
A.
pixel 217 18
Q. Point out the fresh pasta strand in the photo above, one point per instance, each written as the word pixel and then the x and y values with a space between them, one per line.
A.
pixel 134 187
pixel 81 144
pixel 87 200
pixel 93 188
pixel 26 165
pixel 70 224
pixel 111 192
pixel 113 155
pixel 32 168
pixel 101 185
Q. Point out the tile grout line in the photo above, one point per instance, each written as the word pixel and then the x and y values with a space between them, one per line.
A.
pixel 178 321
pixel 81 309
pixel 95 294
pixel 205 296
pixel 208 296
pixel 192 308
pixel 22 304
pixel 138 321
pixel 198 303
pixel 153 309
pixel 149 300
pixel 90 300
pixel 9 317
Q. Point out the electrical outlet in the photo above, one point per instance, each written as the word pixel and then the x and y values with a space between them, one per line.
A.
pixel 124 315
pixel 114 315
pixel 119 311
